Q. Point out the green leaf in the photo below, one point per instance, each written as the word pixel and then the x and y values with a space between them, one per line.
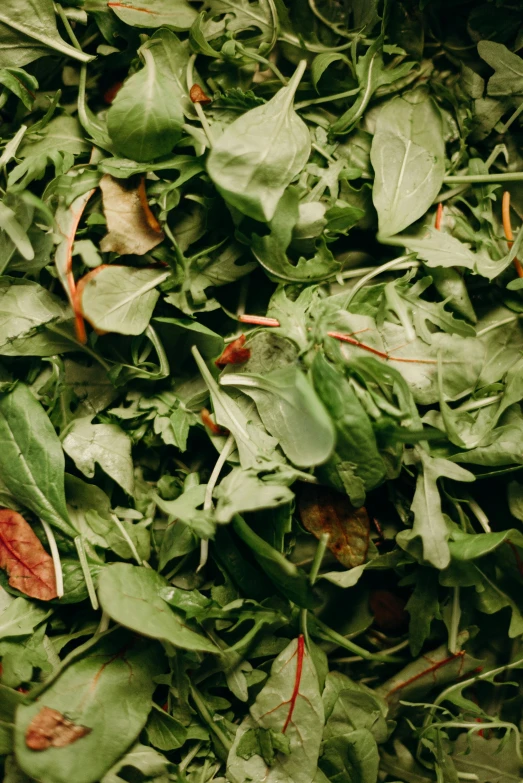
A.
pixel 15 232
pixel 145 759
pixel 508 77
pixel 105 444
pixel 31 458
pixel 28 31
pixel 429 522
pixel 21 618
pixel 26 308
pixel 89 693
pixel 285 398
pixel 260 153
pixel 408 156
pixel 163 731
pixel 141 123
pixel 242 491
pixel 351 756
pixel 177 14
pixel 440 249
pixel 129 595
pixel 271 711
pixel 20 83
pixel 120 299
pixel 488 759
pixel 289 579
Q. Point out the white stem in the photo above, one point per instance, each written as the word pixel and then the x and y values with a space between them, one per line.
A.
pixel 55 554
pixel 377 271
pixel 79 544
pixel 128 538
pixel 207 503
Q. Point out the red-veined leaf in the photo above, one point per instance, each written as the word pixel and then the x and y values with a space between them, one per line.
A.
pixel 22 555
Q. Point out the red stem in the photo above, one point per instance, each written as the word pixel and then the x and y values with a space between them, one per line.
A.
pixel 439 217
pixel 299 667
pixel 432 668
pixel 258 320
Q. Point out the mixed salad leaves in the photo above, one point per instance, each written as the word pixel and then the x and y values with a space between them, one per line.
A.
pixel 261 376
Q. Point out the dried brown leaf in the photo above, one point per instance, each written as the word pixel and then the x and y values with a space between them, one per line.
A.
pixel 197 95
pixel 50 729
pixel 22 555
pixel 129 230
pixel 324 510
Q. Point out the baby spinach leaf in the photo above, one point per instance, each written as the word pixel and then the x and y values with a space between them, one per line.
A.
pixel 283 397
pixel 289 704
pixel 88 692
pixel 260 153
pixel 31 458
pixel 178 15
pixel 129 595
pixel 28 31
pixel 20 618
pixel 508 77
pixel 141 123
pixel 120 299
pixel 408 156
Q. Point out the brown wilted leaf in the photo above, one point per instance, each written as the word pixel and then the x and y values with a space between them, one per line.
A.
pixel 197 95
pixel 22 555
pixel 129 231
pixel 234 353
pixel 50 729
pixel 323 510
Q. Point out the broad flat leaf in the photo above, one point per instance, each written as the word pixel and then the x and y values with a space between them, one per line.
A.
pixel 289 703
pixel 128 229
pixel 429 522
pixel 88 693
pixel 260 153
pixel 25 309
pixel 486 759
pixel 31 458
pixel 63 133
pixel 351 756
pixel 177 14
pixel 105 444
pixel 508 79
pixel 163 731
pixel 435 668
pixel 469 547
pixel 285 399
pixel 28 31
pixel 408 156
pixel 120 299
pixel 22 555
pixel 323 510
pixel 129 595
pixel 173 56
pixel 20 618
pixel 142 124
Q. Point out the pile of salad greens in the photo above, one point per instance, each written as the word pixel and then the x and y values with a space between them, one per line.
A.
pixel 261 377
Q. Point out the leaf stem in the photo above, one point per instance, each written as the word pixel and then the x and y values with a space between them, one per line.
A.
pixel 329 635
pixel 207 503
pixel 377 271
pixel 70 32
pixel 454 622
pixel 81 346
pixel 55 554
pixel 208 718
pixel 327 98
pixel 198 107
pixel 502 176
pixel 128 539
pixel 79 544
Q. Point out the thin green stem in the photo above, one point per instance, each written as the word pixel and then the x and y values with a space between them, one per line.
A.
pixel 66 23
pixel 207 503
pixel 454 622
pixel 503 176
pixel 208 718
pixel 128 539
pixel 198 107
pixel 327 98
pixel 377 271
pixel 79 544
pixel 264 61
pixel 326 633
pixel 81 347
pixel 511 119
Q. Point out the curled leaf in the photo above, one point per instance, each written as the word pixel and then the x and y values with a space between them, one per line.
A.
pixel 128 222
pixel 29 566
pixel 50 729
pixel 324 510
